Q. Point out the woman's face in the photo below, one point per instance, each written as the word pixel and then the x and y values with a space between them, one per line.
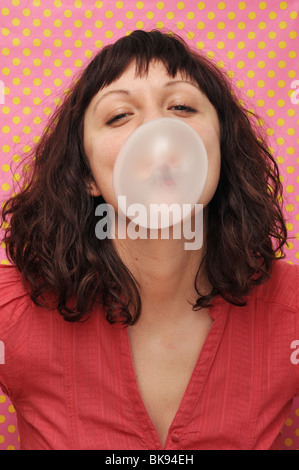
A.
pixel 119 108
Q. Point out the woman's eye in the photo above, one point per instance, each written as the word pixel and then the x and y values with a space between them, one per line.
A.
pixel 182 107
pixel 117 118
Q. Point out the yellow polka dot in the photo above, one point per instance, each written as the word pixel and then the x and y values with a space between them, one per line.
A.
pixel 288 442
pixel 200 25
pixel 2 439
pixel 242 6
pixel 47 13
pixel 200 45
pixel 11 428
pixel 201 5
pixel 67 13
pixel 261 64
pixel 11 409
pixel 5 187
pixel 261 83
pixel 282 25
pixel 231 15
pixel 261 45
pixel 252 15
pixel 211 15
pixel 120 4
pixel 180 5
pixel 283 5
pixel 262 5
pixel 180 25
pixel 139 5
pixel 220 25
pixel 272 34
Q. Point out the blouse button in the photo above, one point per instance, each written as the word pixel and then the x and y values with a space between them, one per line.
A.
pixel 175 437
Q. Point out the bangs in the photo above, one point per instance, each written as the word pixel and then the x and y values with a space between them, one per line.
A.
pixel 143 48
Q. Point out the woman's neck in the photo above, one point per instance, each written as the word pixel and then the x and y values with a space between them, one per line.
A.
pixel 165 271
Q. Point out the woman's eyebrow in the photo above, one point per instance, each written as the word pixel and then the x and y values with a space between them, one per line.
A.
pixel 127 92
pixel 175 82
pixel 124 92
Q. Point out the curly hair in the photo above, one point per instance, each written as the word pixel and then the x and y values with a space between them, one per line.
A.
pixel 50 234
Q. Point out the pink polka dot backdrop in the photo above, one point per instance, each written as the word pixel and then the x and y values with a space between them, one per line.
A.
pixel 44 45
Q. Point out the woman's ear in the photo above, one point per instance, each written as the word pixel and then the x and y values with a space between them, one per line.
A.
pixel 92 188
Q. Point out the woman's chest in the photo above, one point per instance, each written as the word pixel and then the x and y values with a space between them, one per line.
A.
pixel 164 365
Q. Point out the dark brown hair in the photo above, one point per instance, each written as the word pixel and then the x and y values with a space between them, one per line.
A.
pixel 51 232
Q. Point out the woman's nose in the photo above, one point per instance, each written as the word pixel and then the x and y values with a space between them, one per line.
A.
pixel 153 113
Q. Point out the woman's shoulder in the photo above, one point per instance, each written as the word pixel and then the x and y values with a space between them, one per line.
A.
pixel 282 287
pixel 13 296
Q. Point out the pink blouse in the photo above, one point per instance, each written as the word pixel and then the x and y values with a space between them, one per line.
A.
pixel 73 385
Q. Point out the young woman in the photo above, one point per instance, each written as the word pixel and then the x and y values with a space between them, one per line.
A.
pixel 140 344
